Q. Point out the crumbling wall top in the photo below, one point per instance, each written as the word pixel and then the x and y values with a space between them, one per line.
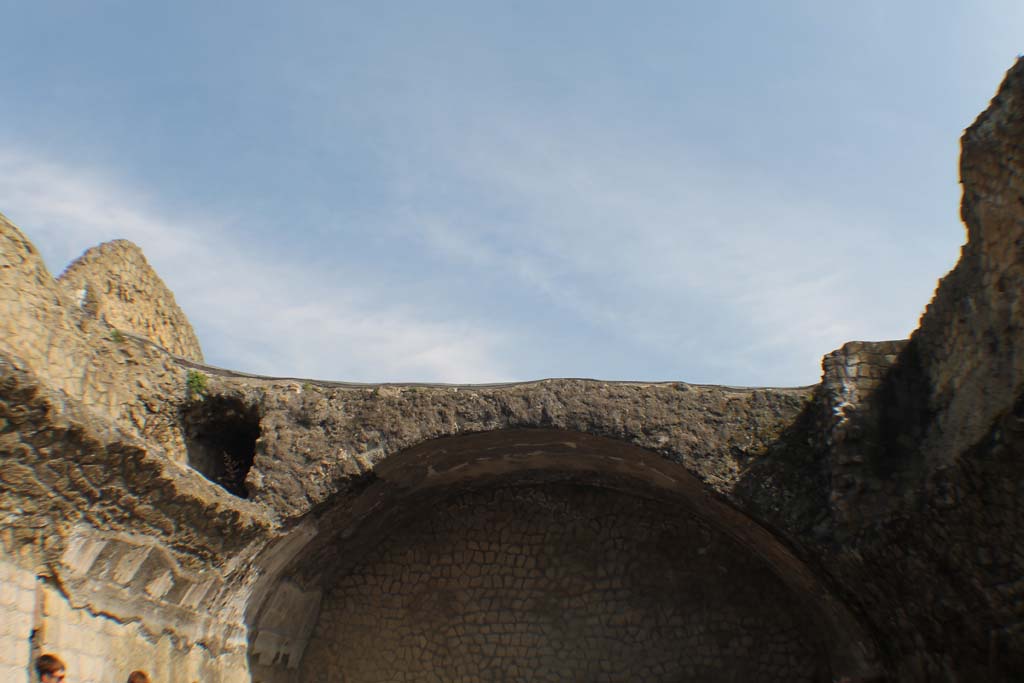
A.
pixel 115 282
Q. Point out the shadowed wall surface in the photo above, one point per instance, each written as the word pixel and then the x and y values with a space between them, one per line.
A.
pixel 560 583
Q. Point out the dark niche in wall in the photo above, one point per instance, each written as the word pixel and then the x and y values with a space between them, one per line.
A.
pixel 220 437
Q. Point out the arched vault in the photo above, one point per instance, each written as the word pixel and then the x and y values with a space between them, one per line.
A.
pixel 411 485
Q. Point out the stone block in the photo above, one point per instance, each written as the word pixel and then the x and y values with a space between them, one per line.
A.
pixel 91 635
pixel 81 552
pixel 8 649
pixel 25 600
pixel 160 584
pixel 91 667
pixel 26 579
pixel 13 673
pixel 128 564
pixel 8 593
pixel 195 593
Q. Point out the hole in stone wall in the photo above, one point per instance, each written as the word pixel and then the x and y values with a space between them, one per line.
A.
pixel 220 437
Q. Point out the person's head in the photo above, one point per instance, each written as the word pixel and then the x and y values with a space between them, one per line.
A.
pixel 50 669
pixel 138 677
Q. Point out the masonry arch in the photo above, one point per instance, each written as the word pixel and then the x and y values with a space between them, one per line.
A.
pixel 536 554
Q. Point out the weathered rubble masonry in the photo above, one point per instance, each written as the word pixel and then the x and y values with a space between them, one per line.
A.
pixel 220 527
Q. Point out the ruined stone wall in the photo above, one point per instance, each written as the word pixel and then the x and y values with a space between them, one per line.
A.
pixel 854 395
pixel 970 346
pixel 61 469
pixel 17 621
pixel 933 484
pixel 36 618
pixel 96 429
pixel 319 437
pixel 941 575
pixel 127 536
pixel 115 283
pixel 916 448
pixel 926 549
pixel 118 378
pixel 926 545
pixel 85 435
pixel 558 583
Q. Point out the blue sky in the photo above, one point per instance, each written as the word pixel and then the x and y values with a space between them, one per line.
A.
pixel 472 192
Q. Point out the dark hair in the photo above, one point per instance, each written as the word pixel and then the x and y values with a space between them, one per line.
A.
pixel 47 665
pixel 138 677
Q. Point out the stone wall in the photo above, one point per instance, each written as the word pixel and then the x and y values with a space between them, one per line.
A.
pixel 18 620
pixel 118 378
pixel 560 583
pixel 35 617
pixel 115 283
pixel 854 395
pixel 136 551
pixel 970 344
pixel 928 468
pixel 134 533
pixel 318 437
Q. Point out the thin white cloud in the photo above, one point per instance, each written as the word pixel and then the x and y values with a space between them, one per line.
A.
pixel 253 312
pixel 720 279
pixel 646 242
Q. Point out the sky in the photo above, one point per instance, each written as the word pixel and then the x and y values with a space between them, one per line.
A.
pixel 473 192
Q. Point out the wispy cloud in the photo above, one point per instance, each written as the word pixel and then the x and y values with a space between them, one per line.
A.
pixel 650 244
pixel 614 260
pixel 252 311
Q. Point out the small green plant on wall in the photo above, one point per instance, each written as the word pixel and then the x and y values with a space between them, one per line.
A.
pixel 116 336
pixel 196 384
